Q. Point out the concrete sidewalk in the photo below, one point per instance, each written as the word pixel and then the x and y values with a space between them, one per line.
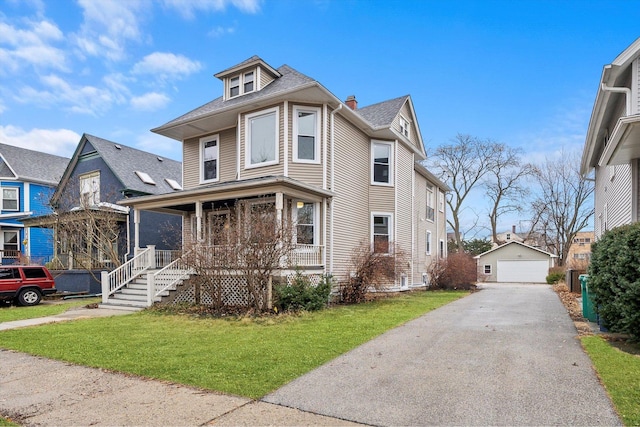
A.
pixel 71 314
pixel 507 355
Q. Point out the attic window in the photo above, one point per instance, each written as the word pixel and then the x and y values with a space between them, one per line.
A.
pixel 241 84
pixel 173 184
pixel 404 126
pixel 144 177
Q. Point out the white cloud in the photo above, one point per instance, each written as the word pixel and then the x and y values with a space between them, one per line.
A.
pixel 61 142
pixel 188 8
pixel 108 25
pixel 32 45
pixel 166 66
pixel 158 144
pixel 151 101
pixel 220 31
pixel 90 100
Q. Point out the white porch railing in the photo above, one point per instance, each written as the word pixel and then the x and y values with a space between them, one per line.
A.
pixel 118 278
pixel 167 277
pixel 307 255
pixel 166 257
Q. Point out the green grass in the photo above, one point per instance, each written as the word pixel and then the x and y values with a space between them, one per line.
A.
pixel 6 422
pixel 620 374
pixel 247 357
pixel 11 313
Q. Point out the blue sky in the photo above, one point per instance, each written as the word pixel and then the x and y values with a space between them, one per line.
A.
pixel 520 72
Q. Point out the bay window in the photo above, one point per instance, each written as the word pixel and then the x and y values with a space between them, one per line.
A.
pixel 261 138
pixel 381 163
pixel 306 147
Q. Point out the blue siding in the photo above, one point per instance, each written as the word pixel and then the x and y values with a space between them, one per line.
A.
pixel 40 196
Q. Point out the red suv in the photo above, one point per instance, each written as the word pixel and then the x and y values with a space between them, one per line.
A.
pixel 26 284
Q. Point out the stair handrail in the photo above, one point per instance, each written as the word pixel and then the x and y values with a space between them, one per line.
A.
pixel 118 278
pixel 167 277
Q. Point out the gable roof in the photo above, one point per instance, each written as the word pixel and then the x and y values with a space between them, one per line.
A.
pixel 124 161
pixel 32 166
pixel 290 84
pixel 515 243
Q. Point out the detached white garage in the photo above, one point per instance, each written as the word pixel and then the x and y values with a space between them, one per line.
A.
pixel 514 262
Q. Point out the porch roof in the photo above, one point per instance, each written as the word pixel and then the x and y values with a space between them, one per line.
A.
pixel 183 201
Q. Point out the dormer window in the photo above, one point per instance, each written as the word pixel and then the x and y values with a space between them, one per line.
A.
pixel 404 126
pixel 241 84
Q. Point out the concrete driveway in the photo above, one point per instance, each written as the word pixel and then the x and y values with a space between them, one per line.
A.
pixel 507 355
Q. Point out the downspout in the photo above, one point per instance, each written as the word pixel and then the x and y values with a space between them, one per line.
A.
pixel 624 90
pixel 333 185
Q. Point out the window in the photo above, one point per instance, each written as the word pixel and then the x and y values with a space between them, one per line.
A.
pixel 90 189
pixel 34 273
pixel 306 147
pixel 441 249
pixel 381 159
pixel 209 153
pixel 508 236
pixel 305 219
pixel 381 233
pixel 10 244
pixel 404 126
pixel 241 84
pixel 440 201
pixel 10 199
pixel 430 210
pixel 428 243
pixel 262 138
pixel 487 269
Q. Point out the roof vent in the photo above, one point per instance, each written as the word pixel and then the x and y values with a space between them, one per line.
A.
pixel 118 147
pixel 144 177
pixel 173 184
pixel 160 159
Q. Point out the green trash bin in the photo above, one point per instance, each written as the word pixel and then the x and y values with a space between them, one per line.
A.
pixel 588 310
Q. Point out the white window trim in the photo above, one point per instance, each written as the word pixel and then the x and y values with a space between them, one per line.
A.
pixel 484 269
pixel 440 201
pixel 247 138
pixel 203 141
pixel 17 233
pixel 316 221
pixel 442 249
pixel 316 111
pixel 241 81
pixel 427 248
pixel 430 191
pixel 391 237
pixel 17 189
pixel 92 199
pixel 407 126
pixel 375 142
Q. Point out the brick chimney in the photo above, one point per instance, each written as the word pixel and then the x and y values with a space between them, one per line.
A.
pixel 513 229
pixel 351 102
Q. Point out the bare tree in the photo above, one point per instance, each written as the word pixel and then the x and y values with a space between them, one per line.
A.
pixel 562 207
pixel 505 187
pixel 462 165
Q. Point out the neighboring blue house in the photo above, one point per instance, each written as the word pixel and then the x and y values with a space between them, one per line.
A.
pixel 28 179
pixel 91 231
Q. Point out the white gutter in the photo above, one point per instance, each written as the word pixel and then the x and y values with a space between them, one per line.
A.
pixel 624 90
pixel 333 184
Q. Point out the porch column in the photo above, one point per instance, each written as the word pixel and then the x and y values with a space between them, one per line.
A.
pixel 136 229
pixel 279 207
pixel 198 221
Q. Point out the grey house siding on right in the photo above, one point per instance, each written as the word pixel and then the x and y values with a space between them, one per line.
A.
pixel 614 192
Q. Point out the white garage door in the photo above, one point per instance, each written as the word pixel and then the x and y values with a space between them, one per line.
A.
pixel 519 271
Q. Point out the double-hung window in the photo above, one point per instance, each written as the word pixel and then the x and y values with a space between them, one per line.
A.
pixel 90 189
pixel 306 144
pixel 428 243
pixel 404 126
pixel 381 231
pixel 381 163
pixel 430 198
pixel 10 244
pixel 305 219
pixel 261 138
pixel 440 201
pixel 209 155
pixel 241 84
pixel 10 199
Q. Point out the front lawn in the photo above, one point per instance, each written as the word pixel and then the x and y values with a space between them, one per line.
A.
pixel 620 374
pixel 9 313
pixel 245 356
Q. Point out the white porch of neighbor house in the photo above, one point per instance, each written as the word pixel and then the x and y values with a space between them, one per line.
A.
pixel 305 210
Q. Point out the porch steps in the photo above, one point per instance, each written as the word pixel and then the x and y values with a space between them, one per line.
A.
pixel 132 297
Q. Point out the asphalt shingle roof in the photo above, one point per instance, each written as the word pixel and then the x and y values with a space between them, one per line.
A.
pixel 31 165
pixel 125 161
pixel 382 113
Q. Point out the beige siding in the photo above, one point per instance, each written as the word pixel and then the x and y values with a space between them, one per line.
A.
pixel 350 205
pixel 265 79
pixel 271 170
pixel 190 163
pixel 228 159
pixel 635 86
pixel 305 172
pixel 406 113
pixel 403 216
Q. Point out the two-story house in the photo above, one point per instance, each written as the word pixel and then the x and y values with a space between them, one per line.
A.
pixel 344 175
pixel 27 180
pixel 612 145
pixel 91 231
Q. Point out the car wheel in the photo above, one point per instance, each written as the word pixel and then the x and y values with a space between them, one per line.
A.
pixel 29 297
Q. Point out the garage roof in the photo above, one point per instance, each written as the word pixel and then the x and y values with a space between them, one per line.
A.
pixel 515 243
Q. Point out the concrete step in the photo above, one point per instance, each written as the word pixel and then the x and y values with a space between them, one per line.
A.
pixel 118 305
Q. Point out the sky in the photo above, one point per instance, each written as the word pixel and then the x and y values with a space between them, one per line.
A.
pixel 524 73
